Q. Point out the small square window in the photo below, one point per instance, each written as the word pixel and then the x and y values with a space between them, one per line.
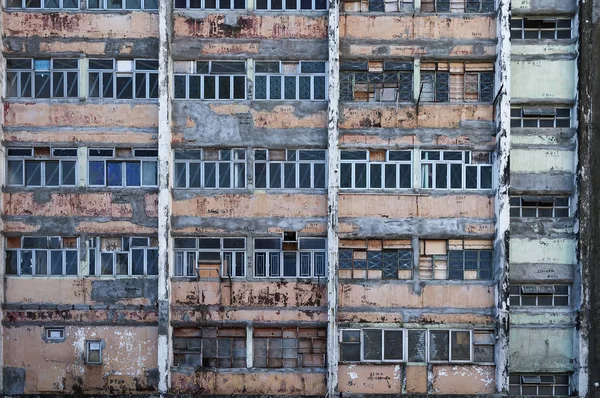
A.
pixel 93 352
pixel 55 333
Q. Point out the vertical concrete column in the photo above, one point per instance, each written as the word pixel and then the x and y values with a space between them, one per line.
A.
pixel 332 196
pixel 83 77
pixel 82 159
pixel 502 178
pixel 586 295
pixel 416 78
pixel 2 184
pixel 165 85
pixel 249 346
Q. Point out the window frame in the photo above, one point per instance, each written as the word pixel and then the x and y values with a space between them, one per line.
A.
pixel 516 293
pixel 298 75
pixel 42 5
pixel 43 160
pixel 202 79
pixel 48 333
pixel 552 117
pixel 536 380
pixel 18 253
pixel 51 71
pixel 465 155
pixel 518 30
pixel 516 205
pixel 89 349
pixel 269 266
pixel 284 4
pixel 95 265
pixel 383 360
pixel 370 165
pixel 450 360
pixel 377 76
pixel 234 165
pixel 222 252
pixel 103 6
pixel 296 161
pixel 203 5
pixel 140 160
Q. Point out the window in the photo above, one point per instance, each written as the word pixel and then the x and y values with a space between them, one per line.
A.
pixel 539 295
pixel 450 345
pixel 304 80
pixel 210 257
pixel 289 347
pixel 547 28
pixel 479 5
pixel 209 347
pixel 42 78
pixel 122 167
pixel 55 334
pixel 123 4
pixel 210 168
pixel 123 256
pixel 37 167
pixel 457 82
pixel 42 4
pixel 527 206
pixel 379 81
pixel 540 117
pixel 275 258
pixel 456 170
pixel 93 352
pixel 42 256
pixel 455 259
pixel 378 6
pixel 411 345
pixel 289 168
pixel 376 169
pixel 541 384
pixel 305 5
pixel 375 259
pixel 211 4
pixel 210 80
pixel 123 79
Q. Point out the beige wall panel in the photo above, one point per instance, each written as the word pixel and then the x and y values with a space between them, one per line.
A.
pixel 370 379
pixel 464 379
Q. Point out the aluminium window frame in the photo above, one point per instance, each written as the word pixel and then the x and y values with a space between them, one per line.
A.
pixel 202 6
pixel 284 6
pixel 539 119
pixel 383 360
pixel 95 269
pixel 103 6
pixel 521 29
pixel 269 265
pixel 215 76
pixel 465 155
pixel 23 159
pixel 298 75
pixel 88 349
pixel 383 165
pixel 42 6
pixel 514 207
pixel 123 161
pixel 33 71
pixel 296 162
pixel 222 251
pixel 235 164
pixel 450 360
pixel 514 296
pixel 34 251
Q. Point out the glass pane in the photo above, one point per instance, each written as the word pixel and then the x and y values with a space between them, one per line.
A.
pixel 96 173
pixel 122 263
pixel 132 174
pixel 41 262
pixel 372 345
pixel 290 87
pixel 140 85
pixel 52 173
pixel 239 87
pixel 107 263
pixel 114 174
pixel 319 171
pixel 137 262
pixel 275 175
pixel 319 87
pixel 33 173
pixel 441 176
pixel 375 176
pixel 224 87
pixel 15 172
pixel 393 344
pixel 209 87
pixel 260 87
pixel 289 175
pixel 210 179
pixel 275 87
pixel 289 264
pixel 304 84
pixel 346 175
pixel 68 172
pixel 461 346
pixel 224 175
pixel 304 175
pixel 71 262
pixel 124 87
pixel 56 262
pixel 438 345
pixel 360 175
pixel 455 176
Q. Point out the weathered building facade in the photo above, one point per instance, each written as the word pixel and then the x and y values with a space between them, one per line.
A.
pixel 296 198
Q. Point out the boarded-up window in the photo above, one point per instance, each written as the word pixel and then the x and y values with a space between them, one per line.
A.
pixel 289 347
pixel 212 347
pixel 376 259
pixel 379 81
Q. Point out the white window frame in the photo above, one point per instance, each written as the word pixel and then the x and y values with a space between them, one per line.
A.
pixel 296 162
pixel 368 164
pixel 450 360
pixel 135 158
pixel 521 287
pixel 551 199
pixel 297 76
pixel 24 159
pixel 284 6
pixel 202 4
pixel 103 5
pixel 49 333
pixel 51 71
pixel 19 253
pixel 42 5
pixel 555 119
pixel 93 345
pixel 281 254
pixel 95 269
pixel 223 251
pixel 383 360
pixel 237 159
pixel 432 164
pixel 217 76
pixel 521 29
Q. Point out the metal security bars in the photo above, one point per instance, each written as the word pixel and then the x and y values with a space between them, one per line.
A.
pixel 479 87
pixel 536 29
pixel 42 78
pixel 42 256
pixel 289 168
pixel 456 170
pixel 539 385
pixel 123 256
pixel 527 206
pixel 275 258
pixel 435 86
pixel 43 4
pixel 379 81
pixel 289 5
pixel 539 295
pixel 123 79
pixel 210 168
pixel 380 345
pixel 376 263
pixel 211 80
pixel 122 167
pixel 540 117
pixel 210 257
pixel 37 167
pixel 211 4
pixel 376 169
pixel 303 80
